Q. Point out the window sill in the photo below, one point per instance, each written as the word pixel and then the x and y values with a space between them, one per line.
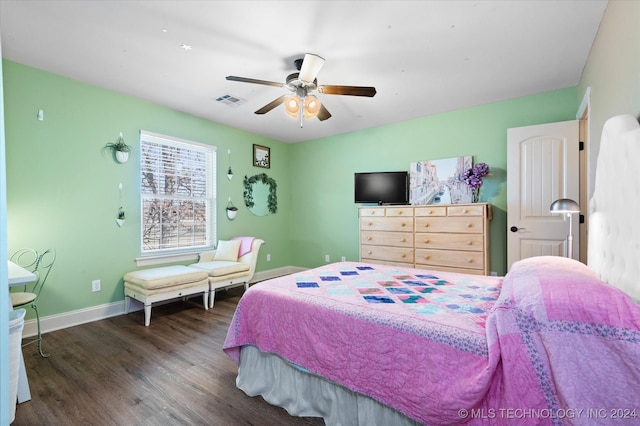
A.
pixel 166 258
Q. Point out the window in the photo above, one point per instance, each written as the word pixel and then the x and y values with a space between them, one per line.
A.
pixel 178 194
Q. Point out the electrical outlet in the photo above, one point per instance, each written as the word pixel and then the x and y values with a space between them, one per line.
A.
pixel 326 258
pixel 268 257
pixel 95 285
pixel 344 258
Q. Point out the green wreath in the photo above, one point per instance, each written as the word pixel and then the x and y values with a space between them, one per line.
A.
pixel 272 200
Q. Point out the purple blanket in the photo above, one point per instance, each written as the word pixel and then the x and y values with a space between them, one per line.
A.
pixel 438 346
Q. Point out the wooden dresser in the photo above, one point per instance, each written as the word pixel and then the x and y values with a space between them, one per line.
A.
pixel 451 237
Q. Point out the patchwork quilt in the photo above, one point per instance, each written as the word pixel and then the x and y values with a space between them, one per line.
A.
pixel 442 348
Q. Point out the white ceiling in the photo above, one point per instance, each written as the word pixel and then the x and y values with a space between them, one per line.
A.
pixel 423 57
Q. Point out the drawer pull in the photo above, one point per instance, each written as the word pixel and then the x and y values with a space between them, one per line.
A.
pixel 430 212
pixel 404 240
pixel 469 260
pixel 426 225
pixel 404 224
pixel 369 252
pixel 465 211
pixel 404 255
pixel 469 225
pixel 469 243
pixel 400 212
pixel 427 257
pixel 369 238
pixel 370 223
pixel 427 241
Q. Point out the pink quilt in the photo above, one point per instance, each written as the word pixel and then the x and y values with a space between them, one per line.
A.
pixel 447 348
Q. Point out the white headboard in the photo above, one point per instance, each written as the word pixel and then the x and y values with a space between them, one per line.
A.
pixel 614 209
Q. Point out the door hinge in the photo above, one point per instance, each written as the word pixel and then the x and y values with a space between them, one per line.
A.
pixel 581 218
pixel 581 146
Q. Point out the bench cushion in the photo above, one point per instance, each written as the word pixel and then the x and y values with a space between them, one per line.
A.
pixel 166 276
pixel 221 268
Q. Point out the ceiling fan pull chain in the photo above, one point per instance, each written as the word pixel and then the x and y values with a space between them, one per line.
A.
pixel 301 112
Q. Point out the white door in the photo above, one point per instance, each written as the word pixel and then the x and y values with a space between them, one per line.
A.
pixel 542 166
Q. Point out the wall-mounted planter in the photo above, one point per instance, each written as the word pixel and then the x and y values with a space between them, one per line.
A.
pixel 122 156
pixel 119 149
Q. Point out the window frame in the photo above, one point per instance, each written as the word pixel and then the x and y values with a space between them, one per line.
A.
pixel 188 252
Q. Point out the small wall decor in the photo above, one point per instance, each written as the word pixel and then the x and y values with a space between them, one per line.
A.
pixel 119 149
pixel 261 156
pixel 229 172
pixel 260 194
pixel 439 181
pixel 121 215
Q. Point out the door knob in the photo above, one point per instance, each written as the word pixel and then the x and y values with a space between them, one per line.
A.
pixel 516 229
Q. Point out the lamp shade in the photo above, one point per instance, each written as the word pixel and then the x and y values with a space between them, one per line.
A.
pixel 292 105
pixel 311 106
pixel 564 205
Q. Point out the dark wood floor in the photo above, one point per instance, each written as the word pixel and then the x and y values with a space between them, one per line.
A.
pixel 118 372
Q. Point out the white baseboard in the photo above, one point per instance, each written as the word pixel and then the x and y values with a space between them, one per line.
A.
pixel 108 310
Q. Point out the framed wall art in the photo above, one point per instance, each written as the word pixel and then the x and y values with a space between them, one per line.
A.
pixel 261 156
pixel 439 181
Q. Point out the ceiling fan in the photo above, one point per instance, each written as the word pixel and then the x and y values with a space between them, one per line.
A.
pixel 303 103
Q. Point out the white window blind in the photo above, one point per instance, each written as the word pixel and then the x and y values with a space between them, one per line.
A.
pixel 178 194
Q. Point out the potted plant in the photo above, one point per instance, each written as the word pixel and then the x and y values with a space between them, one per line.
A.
pixel 119 149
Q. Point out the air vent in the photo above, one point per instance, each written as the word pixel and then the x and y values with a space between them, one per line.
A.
pixel 232 101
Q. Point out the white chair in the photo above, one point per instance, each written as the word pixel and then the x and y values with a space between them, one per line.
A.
pixel 224 269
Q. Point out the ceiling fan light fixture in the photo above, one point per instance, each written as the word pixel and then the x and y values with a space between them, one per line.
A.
pixel 311 106
pixel 292 105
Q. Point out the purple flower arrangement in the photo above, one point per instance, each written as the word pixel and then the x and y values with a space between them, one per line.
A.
pixel 473 177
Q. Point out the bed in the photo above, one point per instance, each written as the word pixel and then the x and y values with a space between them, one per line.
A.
pixel 552 342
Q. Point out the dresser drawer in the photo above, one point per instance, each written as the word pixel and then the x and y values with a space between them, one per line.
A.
pixel 430 211
pixel 377 238
pixel 466 225
pixel 399 211
pixel 371 211
pixel 466 210
pixel 473 242
pixel 447 269
pixel 387 224
pixel 450 258
pixel 391 254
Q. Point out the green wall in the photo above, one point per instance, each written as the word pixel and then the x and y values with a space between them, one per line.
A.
pixel 62 188
pixel 324 216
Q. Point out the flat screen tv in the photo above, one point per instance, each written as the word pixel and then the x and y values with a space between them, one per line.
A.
pixel 382 187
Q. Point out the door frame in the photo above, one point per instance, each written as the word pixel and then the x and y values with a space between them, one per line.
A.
pixel 584 135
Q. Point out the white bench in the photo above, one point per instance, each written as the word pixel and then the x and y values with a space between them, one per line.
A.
pixel 168 282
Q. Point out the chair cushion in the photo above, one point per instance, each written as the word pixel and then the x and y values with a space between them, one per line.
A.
pixel 166 276
pixel 217 269
pixel 227 250
pixel 20 298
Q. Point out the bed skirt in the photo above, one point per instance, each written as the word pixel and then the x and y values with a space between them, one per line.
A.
pixel 307 395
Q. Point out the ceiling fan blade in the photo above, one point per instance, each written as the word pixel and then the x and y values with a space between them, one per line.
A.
pixel 324 113
pixel 348 90
pixel 253 80
pixel 271 105
pixel 310 68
